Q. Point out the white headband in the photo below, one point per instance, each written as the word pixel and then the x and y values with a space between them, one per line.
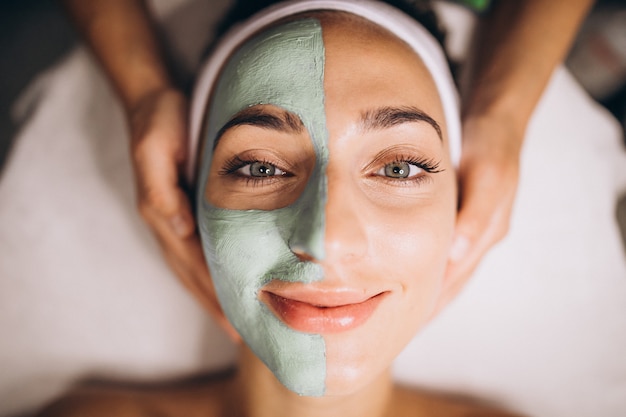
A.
pixel 386 16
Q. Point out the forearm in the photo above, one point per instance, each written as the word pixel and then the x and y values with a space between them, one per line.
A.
pixel 519 45
pixel 121 35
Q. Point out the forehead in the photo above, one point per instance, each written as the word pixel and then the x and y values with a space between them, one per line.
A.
pixel 368 67
pixel 317 63
pixel 282 65
pixel 291 63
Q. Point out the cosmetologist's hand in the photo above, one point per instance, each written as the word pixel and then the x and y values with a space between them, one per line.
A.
pixel 158 124
pixel 517 47
pixel 488 178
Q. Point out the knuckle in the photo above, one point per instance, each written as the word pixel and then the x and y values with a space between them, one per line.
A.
pixel 501 228
pixel 145 211
pixel 140 150
pixel 494 170
pixel 155 201
pixel 475 222
pixel 502 231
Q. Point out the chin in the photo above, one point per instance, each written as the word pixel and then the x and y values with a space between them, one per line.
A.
pixel 362 357
pixel 351 376
pixel 357 359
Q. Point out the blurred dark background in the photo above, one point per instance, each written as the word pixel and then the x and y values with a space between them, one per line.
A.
pixel 34 34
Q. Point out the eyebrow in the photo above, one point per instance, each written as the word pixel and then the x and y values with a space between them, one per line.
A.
pixel 284 121
pixel 387 117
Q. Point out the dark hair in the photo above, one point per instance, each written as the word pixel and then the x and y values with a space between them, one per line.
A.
pixel 420 10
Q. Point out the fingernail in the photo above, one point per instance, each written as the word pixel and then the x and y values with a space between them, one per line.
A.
pixel 179 225
pixel 459 248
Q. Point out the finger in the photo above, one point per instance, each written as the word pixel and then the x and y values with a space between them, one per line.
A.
pixel 201 275
pixel 483 193
pixel 186 259
pixel 169 209
pixel 487 192
pixel 483 219
pixel 160 197
pixel 159 150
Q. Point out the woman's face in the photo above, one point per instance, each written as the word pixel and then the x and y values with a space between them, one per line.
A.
pixel 329 200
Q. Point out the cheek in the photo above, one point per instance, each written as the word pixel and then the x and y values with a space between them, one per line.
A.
pixel 416 261
pixel 416 239
pixel 246 250
pixel 412 251
pixel 410 254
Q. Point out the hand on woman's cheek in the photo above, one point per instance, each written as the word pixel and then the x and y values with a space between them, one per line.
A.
pixel 488 178
pixel 190 267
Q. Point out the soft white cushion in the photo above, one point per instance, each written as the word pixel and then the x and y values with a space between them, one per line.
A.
pixel 84 291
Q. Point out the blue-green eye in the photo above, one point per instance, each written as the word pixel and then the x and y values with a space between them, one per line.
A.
pixel 400 170
pixel 260 169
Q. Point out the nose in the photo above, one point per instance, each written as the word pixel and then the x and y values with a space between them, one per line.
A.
pixel 345 234
pixel 330 226
pixel 307 239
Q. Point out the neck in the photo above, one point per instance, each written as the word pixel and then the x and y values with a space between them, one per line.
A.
pixel 257 393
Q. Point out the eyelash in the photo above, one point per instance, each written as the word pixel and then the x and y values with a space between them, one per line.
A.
pixel 429 166
pixel 235 164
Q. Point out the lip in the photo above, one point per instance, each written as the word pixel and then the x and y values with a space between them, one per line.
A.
pixel 321 311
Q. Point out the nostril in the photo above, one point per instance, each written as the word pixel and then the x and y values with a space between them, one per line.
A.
pixel 301 253
pixel 305 257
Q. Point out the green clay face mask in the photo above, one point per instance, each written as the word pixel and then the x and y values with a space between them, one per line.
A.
pixel 245 249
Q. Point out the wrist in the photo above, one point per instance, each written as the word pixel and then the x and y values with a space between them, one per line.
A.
pixel 122 37
pixel 147 103
pixel 507 109
pixel 141 86
pixel 494 133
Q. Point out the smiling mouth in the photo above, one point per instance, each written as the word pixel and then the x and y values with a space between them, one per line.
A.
pixel 314 318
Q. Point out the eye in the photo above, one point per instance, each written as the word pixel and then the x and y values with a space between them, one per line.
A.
pixel 260 169
pixel 400 170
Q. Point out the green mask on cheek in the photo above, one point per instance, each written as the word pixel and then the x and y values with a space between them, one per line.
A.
pixel 245 249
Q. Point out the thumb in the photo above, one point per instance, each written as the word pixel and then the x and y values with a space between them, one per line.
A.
pixel 479 215
pixel 482 220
